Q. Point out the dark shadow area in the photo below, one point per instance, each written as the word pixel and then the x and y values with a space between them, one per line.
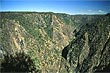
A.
pixel 106 69
pixel 20 62
pixel 65 52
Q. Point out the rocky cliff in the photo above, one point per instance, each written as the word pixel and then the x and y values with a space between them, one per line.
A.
pixel 44 35
pixel 90 50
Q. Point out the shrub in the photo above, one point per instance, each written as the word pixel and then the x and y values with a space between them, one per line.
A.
pixel 20 62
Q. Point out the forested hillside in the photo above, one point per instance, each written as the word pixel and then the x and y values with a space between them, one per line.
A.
pixel 45 36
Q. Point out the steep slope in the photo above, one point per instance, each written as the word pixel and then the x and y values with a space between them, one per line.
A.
pixel 90 50
pixel 43 35
pixel 38 34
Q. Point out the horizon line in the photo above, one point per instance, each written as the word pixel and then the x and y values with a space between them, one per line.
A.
pixel 59 12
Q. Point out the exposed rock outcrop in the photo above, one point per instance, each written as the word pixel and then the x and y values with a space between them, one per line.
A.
pixel 42 36
pixel 90 50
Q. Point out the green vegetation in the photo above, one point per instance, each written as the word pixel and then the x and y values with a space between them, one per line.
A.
pixel 88 52
pixel 20 62
pixel 42 36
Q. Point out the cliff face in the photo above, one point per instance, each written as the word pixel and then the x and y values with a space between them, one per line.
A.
pixel 43 36
pixel 90 50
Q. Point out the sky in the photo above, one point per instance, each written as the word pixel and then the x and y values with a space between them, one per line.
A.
pixel 57 6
